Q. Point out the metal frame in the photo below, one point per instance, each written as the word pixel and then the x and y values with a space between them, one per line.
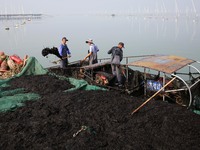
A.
pixel 145 83
pixel 190 93
pixel 164 80
pixel 188 87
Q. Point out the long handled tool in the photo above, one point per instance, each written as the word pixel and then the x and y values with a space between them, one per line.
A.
pixel 57 61
pixel 153 96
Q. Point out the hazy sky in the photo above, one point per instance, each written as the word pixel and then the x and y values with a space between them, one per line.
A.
pixel 92 6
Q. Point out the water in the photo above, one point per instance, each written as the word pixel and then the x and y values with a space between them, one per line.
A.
pixel 141 35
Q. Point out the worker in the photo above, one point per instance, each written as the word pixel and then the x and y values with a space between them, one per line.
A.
pixel 116 57
pixel 64 53
pixel 92 54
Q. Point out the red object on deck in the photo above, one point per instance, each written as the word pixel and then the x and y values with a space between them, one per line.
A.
pixel 16 59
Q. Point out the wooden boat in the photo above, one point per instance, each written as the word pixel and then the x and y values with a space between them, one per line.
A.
pixel 145 75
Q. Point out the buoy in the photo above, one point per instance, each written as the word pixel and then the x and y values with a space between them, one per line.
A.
pixel 16 59
pixel 23 23
pixel 16 26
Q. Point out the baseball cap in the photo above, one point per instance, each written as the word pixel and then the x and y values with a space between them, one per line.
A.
pixel 89 41
pixel 122 44
pixel 65 38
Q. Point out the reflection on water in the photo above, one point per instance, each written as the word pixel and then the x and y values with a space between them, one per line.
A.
pixel 141 35
pixel 165 28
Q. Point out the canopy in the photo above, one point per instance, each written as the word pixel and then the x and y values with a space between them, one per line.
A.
pixel 164 63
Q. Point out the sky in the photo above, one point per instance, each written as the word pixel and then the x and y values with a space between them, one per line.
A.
pixel 93 6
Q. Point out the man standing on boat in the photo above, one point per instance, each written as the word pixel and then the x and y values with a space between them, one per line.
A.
pixel 92 54
pixel 116 57
pixel 64 53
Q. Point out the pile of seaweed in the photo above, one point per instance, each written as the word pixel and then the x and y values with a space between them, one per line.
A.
pixel 94 120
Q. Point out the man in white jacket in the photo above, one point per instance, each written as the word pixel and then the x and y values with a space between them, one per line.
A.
pixel 92 54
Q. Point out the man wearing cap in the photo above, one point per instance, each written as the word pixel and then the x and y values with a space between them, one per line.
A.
pixel 64 52
pixel 92 54
pixel 116 57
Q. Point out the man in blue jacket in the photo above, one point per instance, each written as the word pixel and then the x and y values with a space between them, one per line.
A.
pixel 117 56
pixel 64 53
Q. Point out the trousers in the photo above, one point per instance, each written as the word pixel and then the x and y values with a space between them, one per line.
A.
pixel 116 72
pixel 64 63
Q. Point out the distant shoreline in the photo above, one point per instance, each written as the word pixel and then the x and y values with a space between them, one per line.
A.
pixel 16 15
pixel 20 16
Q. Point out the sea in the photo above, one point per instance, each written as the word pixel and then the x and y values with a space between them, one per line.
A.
pixel 141 34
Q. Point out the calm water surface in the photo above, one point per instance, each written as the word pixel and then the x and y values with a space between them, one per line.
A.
pixel 141 35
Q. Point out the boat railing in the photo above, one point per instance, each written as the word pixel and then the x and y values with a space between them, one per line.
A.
pixel 127 58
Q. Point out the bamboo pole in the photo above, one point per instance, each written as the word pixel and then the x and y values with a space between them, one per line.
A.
pixel 153 96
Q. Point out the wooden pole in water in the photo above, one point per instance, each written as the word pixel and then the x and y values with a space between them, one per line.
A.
pixel 153 96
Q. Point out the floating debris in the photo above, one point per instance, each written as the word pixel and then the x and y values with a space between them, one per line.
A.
pixel 23 23
pixel 16 26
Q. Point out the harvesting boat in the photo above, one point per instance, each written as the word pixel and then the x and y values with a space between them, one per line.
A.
pixel 145 75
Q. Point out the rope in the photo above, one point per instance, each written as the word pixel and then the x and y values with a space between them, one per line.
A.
pixel 8 74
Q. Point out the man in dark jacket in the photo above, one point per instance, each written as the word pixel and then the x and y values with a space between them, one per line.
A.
pixel 117 56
